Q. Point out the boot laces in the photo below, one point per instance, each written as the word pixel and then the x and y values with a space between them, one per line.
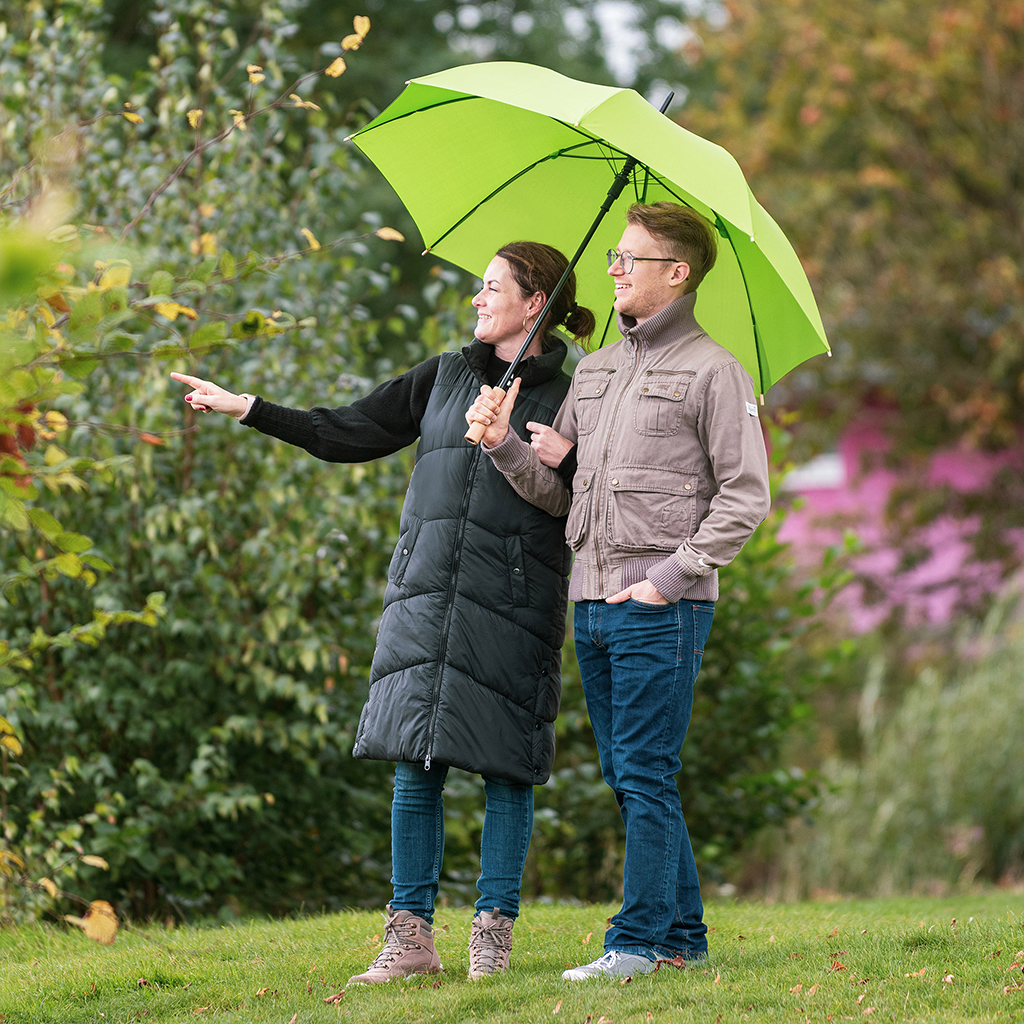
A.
pixel 394 932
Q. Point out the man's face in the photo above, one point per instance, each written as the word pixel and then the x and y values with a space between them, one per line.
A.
pixel 650 286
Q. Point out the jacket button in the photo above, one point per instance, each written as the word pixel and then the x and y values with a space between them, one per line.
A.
pixel 405 551
pixel 515 572
pixel 688 487
pixel 677 394
pixel 539 727
pixel 644 389
pixel 615 483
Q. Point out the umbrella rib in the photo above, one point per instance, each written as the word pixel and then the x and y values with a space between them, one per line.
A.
pixel 505 184
pixel 724 231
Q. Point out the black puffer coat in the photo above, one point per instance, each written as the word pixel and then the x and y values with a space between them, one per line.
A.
pixel 467 666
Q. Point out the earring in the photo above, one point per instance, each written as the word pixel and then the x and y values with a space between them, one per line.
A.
pixel 525 328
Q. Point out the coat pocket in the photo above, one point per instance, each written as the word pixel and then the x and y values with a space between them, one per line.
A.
pixel 591 387
pixel 579 513
pixel 403 551
pixel 651 508
pixel 659 402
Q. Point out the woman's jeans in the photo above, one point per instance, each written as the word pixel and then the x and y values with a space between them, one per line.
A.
pixel 638 663
pixel 417 840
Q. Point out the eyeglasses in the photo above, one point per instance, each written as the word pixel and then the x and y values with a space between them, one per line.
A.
pixel 627 259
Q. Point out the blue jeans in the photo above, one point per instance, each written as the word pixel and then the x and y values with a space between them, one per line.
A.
pixel 417 840
pixel 638 663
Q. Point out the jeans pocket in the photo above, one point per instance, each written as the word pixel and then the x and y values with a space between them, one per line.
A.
pixel 703 614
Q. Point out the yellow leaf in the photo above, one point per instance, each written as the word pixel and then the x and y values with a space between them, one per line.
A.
pixel 304 104
pixel 352 42
pixel 12 744
pixel 390 234
pixel 195 117
pixel 251 69
pixel 130 115
pixel 313 243
pixel 208 243
pixel 336 68
pixel 100 923
pixel 6 729
pixel 65 233
pixel 49 886
pixel 361 23
pixel 117 276
pixel 239 118
pixel 256 78
pixel 12 857
pixel 207 209
pixel 172 310
pixel 94 862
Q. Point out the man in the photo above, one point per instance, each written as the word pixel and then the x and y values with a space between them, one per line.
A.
pixel 670 479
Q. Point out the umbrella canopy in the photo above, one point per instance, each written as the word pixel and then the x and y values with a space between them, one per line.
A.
pixel 489 153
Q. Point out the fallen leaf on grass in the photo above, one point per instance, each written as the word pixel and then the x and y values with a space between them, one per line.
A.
pixel 948 979
pixel 718 977
pixel 868 1011
pixel 200 1009
pixel 771 938
pixel 916 974
pixel 812 989
pixel 558 1006
pixel 834 931
pixel 587 939
pixel 336 998
pixel 295 1017
pixel 837 966
pixel 860 998
pixel 650 1016
pixel 266 991
pixel 1015 987
pixel 796 988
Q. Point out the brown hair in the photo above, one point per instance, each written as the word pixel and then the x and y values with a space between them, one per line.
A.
pixel 687 234
pixel 537 267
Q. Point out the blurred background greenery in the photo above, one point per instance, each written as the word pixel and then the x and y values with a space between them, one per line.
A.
pixel 188 609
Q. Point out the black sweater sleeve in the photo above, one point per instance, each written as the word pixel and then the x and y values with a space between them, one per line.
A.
pixel 385 421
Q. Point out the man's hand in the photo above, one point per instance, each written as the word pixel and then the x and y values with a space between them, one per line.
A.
pixel 549 445
pixel 493 412
pixel 208 397
pixel 644 591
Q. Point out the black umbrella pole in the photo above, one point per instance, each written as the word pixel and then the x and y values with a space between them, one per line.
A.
pixel 476 430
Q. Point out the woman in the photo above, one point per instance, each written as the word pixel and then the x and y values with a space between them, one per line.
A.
pixel 467 666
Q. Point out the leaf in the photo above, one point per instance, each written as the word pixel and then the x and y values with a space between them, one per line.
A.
pixel 558 1007
pixel 209 334
pixel 6 729
pixel 99 922
pixel 336 68
pixel 68 564
pixel 195 117
pixel 8 855
pixel 130 115
pixel 352 42
pixel 172 310
pixel 390 234
pixel 118 275
pixel 94 862
pixel 311 239
pixel 50 886
pixel 227 264
pixel 151 439
pixel 361 23
pixel 161 283
pixel 75 542
pixel 12 744
pixel 239 118
pixel 304 104
pixel 44 522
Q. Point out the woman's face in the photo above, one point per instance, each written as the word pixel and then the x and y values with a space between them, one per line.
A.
pixel 500 306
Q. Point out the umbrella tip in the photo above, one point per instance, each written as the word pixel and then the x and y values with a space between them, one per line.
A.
pixel 427 251
pixel 762 398
pixel 346 139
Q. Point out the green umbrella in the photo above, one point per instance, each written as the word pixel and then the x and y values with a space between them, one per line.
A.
pixel 489 153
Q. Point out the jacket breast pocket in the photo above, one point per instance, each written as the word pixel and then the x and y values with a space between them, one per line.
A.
pixel 591 388
pixel 579 513
pixel 659 402
pixel 403 551
pixel 651 509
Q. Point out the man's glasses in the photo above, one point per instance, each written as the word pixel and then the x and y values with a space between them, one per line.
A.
pixel 627 259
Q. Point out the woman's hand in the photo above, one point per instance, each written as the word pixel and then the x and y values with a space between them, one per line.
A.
pixel 549 445
pixel 208 397
pixel 493 412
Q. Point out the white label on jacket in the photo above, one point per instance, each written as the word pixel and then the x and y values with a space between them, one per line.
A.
pixel 752 409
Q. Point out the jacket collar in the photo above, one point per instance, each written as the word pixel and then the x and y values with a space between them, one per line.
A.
pixel 489 369
pixel 676 320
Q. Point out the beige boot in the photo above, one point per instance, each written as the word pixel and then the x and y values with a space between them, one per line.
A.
pixel 490 944
pixel 408 949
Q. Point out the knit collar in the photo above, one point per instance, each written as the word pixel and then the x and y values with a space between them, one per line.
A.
pixel 675 320
pixel 489 369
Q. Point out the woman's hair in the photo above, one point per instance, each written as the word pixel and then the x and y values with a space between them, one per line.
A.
pixel 537 267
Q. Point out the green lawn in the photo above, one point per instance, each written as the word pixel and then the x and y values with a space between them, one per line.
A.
pixel 899 959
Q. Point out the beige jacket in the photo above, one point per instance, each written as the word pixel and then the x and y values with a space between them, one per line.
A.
pixel 672 475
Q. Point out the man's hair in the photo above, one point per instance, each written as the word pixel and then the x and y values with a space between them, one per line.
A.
pixel 687 235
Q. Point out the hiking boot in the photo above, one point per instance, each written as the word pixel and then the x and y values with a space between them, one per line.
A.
pixel 490 944
pixel 408 949
pixel 614 964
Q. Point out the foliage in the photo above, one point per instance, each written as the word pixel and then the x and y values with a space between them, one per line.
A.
pixel 935 802
pixel 924 959
pixel 887 140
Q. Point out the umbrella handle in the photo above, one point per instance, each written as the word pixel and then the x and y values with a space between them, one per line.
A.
pixel 476 430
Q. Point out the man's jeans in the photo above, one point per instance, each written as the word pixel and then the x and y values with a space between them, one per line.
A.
pixel 417 840
pixel 638 663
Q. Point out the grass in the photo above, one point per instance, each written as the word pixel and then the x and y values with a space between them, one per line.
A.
pixel 895 959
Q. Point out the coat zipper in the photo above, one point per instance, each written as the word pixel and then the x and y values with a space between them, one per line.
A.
pixel 450 603
pixel 604 469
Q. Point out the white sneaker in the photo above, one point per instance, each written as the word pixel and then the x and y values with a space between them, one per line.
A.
pixel 614 964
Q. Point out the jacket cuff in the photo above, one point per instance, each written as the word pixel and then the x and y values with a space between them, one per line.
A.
pixel 671 578
pixel 510 455
pixel 252 402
